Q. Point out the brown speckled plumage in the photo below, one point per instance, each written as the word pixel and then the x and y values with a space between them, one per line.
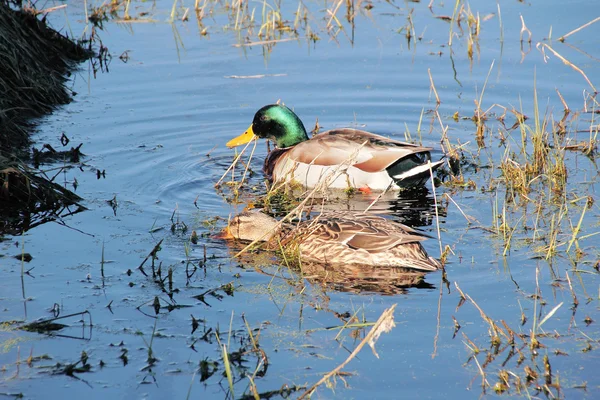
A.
pixel 341 238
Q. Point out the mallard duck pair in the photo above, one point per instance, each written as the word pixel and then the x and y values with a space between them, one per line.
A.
pixel 346 158
pixel 336 237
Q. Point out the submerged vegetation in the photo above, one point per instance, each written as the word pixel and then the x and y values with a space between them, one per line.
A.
pixel 515 207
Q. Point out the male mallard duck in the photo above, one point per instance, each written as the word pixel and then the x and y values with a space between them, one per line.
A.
pixel 341 238
pixel 363 160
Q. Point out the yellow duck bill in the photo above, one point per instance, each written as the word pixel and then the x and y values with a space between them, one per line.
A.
pixel 244 138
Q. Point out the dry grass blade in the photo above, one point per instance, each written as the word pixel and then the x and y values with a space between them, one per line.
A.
pixel 228 372
pixel 46 10
pixel 250 335
pixel 253 389
pixel 564 103
pixel 435 205
pixel 566 62
pixel 549 315
pixel 385 323
pixel 493 327
pixel 454 13
pixel 235 161
pixel 335 10
pixel 437 98
pixel 501 25
pixel 248 162
pixel 577 228
pixel 487 78
pixel 563 37
pixel 510 235
pixel 575 301
pixel 469 218
pixel 484 381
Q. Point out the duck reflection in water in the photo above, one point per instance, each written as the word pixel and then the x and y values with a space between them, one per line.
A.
pixel 414 207
pixel 365 279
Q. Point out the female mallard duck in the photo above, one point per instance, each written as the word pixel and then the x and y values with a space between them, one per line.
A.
pixel 349 158
pixel 342 238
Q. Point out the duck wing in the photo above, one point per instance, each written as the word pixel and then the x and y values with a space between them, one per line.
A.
pixel 361 231
pixel 367 151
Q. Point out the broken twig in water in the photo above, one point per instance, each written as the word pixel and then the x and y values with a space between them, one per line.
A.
pixel 385 323
pixel 152 254
pixel 563 37
pixel 541 47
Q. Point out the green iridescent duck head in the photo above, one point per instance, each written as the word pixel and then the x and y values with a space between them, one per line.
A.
pixel 274 122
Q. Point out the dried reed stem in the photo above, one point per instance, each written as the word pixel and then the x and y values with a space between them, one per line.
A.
pixel 435 205
pixel 566 62
pixel 562 100
pixel 563 37
pixel 456 4
pixel 467 217
pixel 248 162
pixel 524 29
pixel 494 328
pixel 234 162
pixel 384 324
pixel 335 10
pixel 575 301
pixel 437 98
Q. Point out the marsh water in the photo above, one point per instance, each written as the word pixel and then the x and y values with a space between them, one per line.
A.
pixel 154 123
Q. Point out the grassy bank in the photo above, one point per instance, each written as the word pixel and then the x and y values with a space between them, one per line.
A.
pixel 35 62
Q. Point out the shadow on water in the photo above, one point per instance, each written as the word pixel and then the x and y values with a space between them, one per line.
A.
pixel 29 199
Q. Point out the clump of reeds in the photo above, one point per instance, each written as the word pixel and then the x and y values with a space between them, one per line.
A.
pixel 515 177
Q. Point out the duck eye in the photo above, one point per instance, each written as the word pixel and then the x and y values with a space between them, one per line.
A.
pixel 264 118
